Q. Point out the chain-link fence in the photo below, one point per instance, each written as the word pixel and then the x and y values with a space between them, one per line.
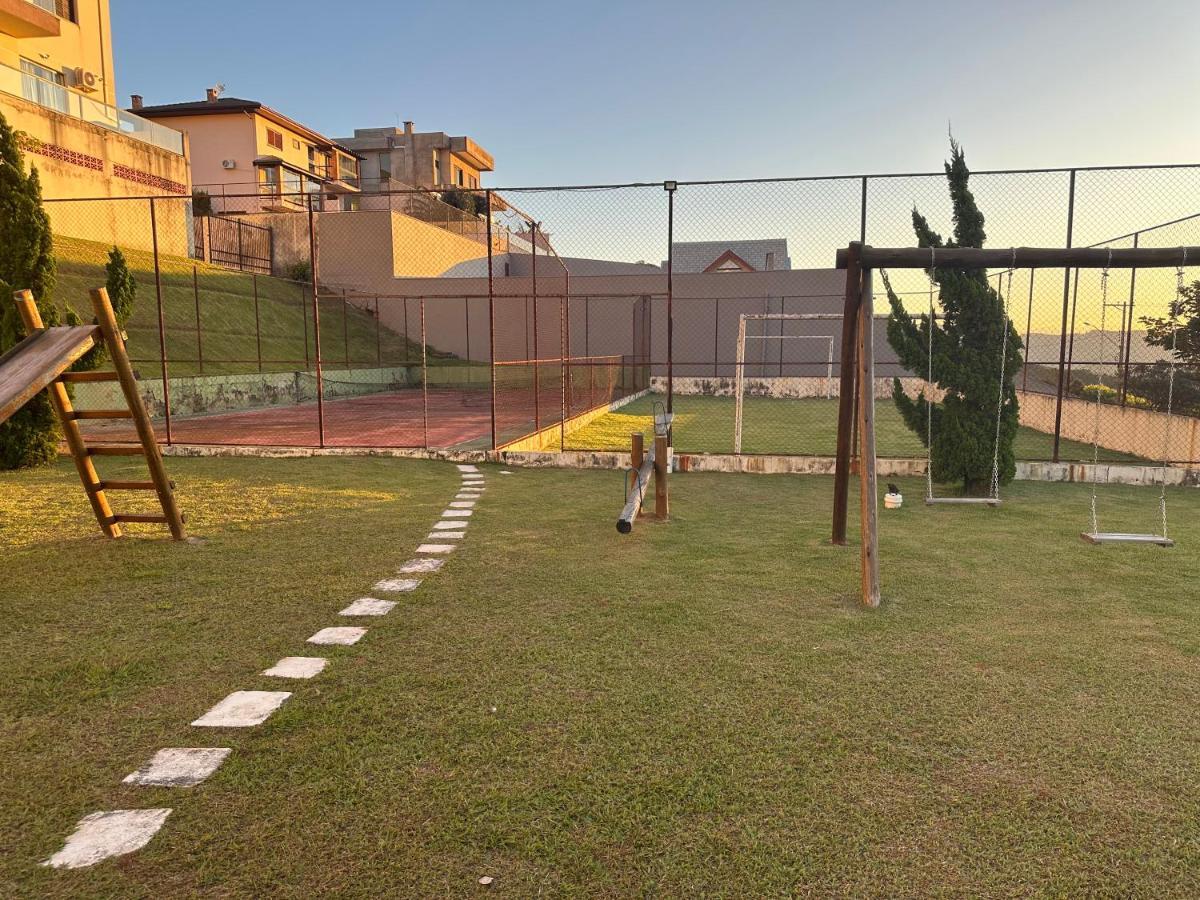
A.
pixel 560 318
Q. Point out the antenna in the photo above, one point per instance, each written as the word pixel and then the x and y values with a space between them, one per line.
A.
pixel 219 88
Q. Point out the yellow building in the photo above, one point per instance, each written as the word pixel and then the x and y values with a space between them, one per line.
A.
pixel 251 158
pixel 57 89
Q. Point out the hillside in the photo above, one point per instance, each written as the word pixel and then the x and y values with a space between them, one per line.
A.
pixel 226 304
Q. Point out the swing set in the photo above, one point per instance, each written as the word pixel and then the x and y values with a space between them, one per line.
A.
pixel 858 374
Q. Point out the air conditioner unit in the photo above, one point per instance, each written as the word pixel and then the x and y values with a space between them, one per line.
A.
pixel 229 164
pixel 84 80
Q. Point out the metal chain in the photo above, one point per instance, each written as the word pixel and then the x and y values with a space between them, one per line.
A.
pixel 929 386
pixel 1099 390
pixel 1166 458
pixel 1003 374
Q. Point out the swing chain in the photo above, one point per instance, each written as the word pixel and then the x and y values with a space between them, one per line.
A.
pixel 1166 457
pixel 929 385
pixel 1003 379
pixel 1099 390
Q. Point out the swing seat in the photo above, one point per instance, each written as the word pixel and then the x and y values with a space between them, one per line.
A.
pixel 1116 537
pixel 964 501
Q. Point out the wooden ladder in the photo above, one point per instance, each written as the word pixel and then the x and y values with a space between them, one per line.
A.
pixel 83 453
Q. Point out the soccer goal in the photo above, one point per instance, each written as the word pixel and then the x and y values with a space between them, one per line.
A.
pixel 750 333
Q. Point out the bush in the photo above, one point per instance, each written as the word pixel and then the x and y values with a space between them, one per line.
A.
pixel 1112 396
pixel 299 271
pixel 30 436
pixel 122 291
pixel 202 204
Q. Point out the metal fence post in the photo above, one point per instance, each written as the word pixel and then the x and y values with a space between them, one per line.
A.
pixel 537 369
pixel 1062 346
pixel 670 187
pixel 346 329
pixel 162 322
pixel 424 375
pixel 312 262
pixel 1028 329
pixel 257 322
pixel 1129 329
pixel 491 314
pixel 378 339
pixel 199 332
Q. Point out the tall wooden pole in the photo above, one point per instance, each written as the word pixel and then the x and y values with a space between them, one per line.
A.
pixel 868 495
pixel 846 395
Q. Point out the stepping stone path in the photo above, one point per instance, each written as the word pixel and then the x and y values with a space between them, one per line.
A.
pixel 179 767
pixel 369 606
pixel 297 667
pixel 243 709
pixel 344 636
pixel 102 835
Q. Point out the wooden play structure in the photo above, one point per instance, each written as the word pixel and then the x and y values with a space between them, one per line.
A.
pixel 643 467
pixel 856 402
pixel 40 362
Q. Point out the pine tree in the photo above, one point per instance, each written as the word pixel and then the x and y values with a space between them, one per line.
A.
pixel 30 437
pixel 966 354
pixel 122 292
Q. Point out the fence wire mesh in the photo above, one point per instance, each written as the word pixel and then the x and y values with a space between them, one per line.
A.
pixel 561 318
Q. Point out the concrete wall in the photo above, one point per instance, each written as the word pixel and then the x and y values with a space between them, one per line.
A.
pixel 1141 432
pixel 77 159
pixel 368 250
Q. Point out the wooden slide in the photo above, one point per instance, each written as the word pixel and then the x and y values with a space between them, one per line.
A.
pixel 40 362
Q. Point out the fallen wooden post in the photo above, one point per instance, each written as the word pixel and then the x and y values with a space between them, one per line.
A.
pixel 638 485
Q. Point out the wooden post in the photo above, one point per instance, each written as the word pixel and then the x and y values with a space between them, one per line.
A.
pixel 739 384
pixel 637 455
pixel 636 495
pixel 61 401
pixel 662 465
pixel 111 333
pixel 846 395
pixel 868 495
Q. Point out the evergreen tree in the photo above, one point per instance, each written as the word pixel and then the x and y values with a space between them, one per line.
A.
pixel 966 354
pixel 1180 328
pixel 30 437
pixel 122 291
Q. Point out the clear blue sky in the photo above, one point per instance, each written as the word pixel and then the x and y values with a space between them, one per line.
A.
pixel 573 92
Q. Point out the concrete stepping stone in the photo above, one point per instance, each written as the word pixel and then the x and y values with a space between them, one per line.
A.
pixel 449 526
pixel 436 548
pixel 505 472
pixel 369 606
pixel 243 709
pixel 445 536
pixel 468 468
pixel 468 495
pixel 297 667
pixel 103 835
pixel 456 513
pixel 179 767
pixel 462 504
pixel 397 585
pixel 341 635
pixel 421 565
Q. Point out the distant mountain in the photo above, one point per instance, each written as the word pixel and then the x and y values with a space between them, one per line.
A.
pixel 1093 350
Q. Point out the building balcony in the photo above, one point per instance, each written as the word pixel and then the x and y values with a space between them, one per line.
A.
pixel 29 18
pixel 472 154
pixel 59 99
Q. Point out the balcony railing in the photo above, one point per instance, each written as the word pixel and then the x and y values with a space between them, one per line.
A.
pixel 56 97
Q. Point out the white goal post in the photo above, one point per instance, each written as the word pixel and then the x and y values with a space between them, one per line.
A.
pixel 740 366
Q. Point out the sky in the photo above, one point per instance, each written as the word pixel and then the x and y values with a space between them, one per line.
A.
pixel 575 92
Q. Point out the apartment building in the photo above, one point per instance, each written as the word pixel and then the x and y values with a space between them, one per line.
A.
pixel 57 87
pixel 251 158
pixel 396 159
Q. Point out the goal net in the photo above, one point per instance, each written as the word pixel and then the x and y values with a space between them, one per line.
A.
pixel 773 363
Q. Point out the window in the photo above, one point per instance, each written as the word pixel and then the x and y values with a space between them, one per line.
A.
pixel 385 166
pixel 44 86
pixel 474 183
pixel 275 139
pixel 437 169
pixel 461 178
pixel 295 144
pixel 64 9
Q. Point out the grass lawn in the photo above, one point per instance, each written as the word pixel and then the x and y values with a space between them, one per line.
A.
pixel 799 427
pixel 696 708
pixel 226 299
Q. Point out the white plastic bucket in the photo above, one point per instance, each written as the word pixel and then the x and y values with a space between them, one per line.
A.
pixel 893 501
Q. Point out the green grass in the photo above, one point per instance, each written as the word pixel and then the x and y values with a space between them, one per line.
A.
pixel 700 708
pixel 227 325
pixel 805 427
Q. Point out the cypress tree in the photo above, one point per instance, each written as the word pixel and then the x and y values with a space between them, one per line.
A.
pixel 30 437
pixel 966 354
pixel 122 291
